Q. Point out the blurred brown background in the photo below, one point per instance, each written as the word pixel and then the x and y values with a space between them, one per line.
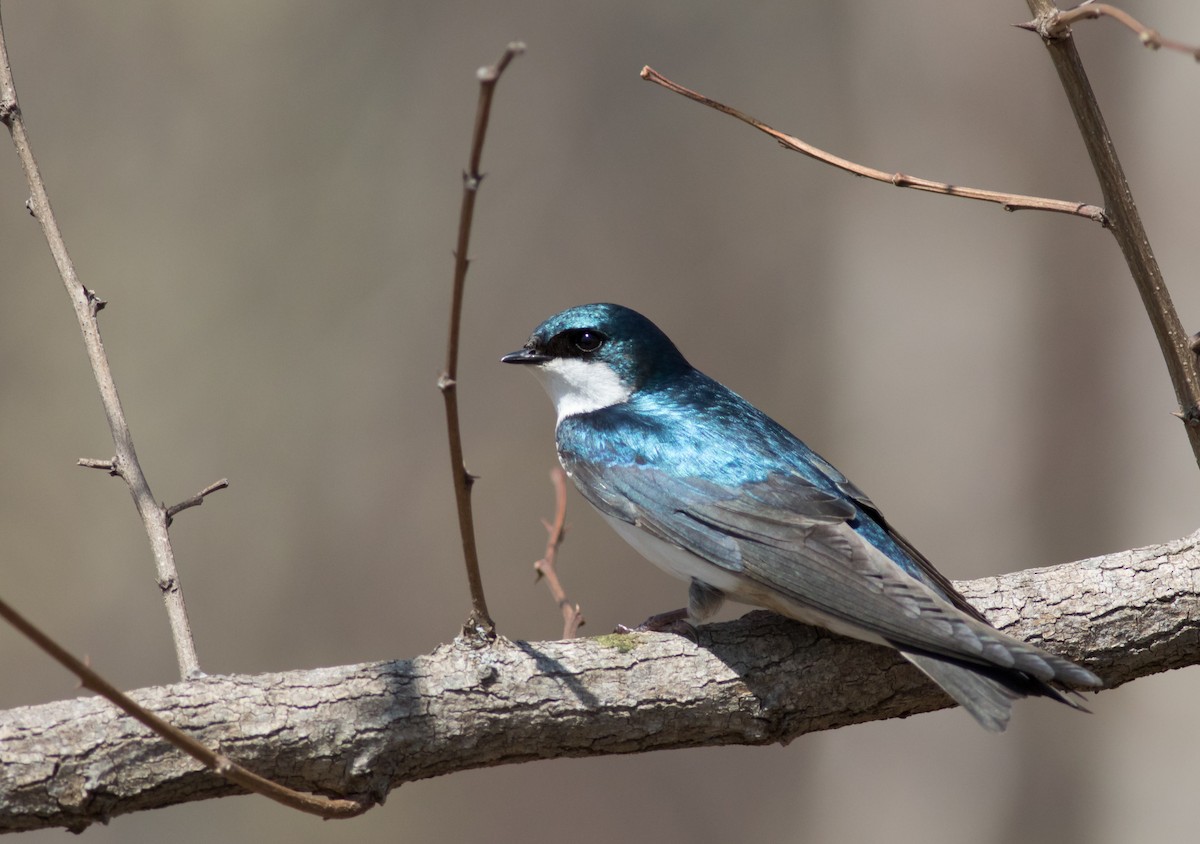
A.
pixel 266 193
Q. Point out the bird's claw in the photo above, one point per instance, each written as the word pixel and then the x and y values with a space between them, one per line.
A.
pixel 668 622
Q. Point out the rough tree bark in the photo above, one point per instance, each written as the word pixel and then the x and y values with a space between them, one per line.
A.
pixel 361 730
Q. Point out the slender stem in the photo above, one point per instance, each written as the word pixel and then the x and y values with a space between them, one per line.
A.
pixel 547 566
pixel 125 463
pixel 311 803
pixel 1126 225
pixel 1009 201
pixel 480 621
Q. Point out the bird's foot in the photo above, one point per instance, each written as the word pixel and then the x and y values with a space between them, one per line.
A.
pixel 674 621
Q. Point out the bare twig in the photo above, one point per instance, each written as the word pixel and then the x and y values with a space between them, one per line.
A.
pixel 1056 23
pixel 1009 201
pixel 195 501
pixel 313 804
pixel 545 567
pixel 1126 226
pixel 87 305
pixel 480 622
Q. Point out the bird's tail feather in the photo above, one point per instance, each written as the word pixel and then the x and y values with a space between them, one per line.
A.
pixel 986 693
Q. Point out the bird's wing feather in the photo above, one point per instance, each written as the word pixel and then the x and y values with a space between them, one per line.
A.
pixel 786 534
pixel 919 560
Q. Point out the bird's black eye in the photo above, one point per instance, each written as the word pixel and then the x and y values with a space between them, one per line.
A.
pixel 587 340
pixel 576 343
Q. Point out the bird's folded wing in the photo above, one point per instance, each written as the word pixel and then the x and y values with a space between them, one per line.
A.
pixel 792 537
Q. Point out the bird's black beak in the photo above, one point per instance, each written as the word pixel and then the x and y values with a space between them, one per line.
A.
pixel 526 355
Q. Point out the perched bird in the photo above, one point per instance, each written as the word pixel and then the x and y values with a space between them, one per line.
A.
pixel 710 489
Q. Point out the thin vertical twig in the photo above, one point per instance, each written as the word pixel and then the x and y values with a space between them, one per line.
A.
pixel 1126 223
pixel 125 462
pixel 547 566
pixel 479 623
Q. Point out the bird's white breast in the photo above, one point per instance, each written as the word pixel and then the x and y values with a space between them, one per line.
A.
pixel 674 560
pixel 578 386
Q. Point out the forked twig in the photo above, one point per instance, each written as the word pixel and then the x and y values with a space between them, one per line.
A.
pixel 1009 201
pixel 313 804
pixel 1125 223
pixel 479 623
pixel 546 566
pixel 125 463
pixel 1057 24
pixel 1119 214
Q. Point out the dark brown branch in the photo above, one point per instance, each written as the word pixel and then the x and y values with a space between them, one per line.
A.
pixel 1009 201
pixel 219 763
pixel 360 730
pixel 87 305
pixel 195 501
pixel 547 566
pixel 1056 23
pixel 1126 225
pixel 480 622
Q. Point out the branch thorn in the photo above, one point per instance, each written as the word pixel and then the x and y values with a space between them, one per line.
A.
pixel 1190 417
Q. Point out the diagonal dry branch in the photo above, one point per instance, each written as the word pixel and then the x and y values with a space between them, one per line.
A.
pixel 124 463
pixel 219 763
pixel 1009 201
pixel 359 731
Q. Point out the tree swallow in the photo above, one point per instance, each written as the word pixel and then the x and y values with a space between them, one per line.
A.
pixel 709 488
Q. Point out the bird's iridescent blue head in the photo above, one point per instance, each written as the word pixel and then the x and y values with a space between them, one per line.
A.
pixel 594 356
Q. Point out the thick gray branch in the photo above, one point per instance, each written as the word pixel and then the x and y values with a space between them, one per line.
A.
pixel 361 730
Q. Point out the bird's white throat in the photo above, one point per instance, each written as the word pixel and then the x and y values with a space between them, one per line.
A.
pixel 578 386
